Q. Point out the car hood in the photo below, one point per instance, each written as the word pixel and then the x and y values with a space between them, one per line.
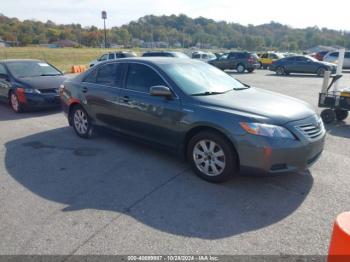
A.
pixel 261 104
pixel 42 82
pixel 94 62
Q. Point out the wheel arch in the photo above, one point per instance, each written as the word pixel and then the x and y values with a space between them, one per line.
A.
pixel 201 128
pixel 71 106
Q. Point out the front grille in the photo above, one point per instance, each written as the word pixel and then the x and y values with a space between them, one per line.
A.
pixel 312 130
pixel 49 91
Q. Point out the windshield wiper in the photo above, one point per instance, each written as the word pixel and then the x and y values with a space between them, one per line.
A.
pixel 207 93
pixel 241 88
pixel 50 74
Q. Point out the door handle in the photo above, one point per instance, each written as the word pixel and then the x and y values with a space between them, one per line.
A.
pixel 84 89
pixel 125 99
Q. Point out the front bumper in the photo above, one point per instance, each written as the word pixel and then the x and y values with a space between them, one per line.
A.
pixel 276 157
pixel 262 155
pixel 42 101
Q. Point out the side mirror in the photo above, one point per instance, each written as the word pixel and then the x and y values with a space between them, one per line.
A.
pixel 160 91
pixel 5 77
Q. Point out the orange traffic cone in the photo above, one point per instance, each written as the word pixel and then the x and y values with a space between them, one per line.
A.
pixel 339 249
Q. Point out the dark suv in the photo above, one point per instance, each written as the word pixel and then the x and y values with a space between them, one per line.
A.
pixel 239 61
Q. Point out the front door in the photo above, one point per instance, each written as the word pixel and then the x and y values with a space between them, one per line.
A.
pixel 150 117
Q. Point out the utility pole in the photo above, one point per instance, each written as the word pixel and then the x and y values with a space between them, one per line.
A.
pixel 104 17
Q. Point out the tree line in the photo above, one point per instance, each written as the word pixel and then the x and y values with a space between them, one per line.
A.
pixel 178 30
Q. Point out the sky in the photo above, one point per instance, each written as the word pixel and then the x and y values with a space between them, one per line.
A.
pixel 295 13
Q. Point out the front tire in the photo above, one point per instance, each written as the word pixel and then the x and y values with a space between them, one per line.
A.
pixel 14 103
pixel 81 122
pixel 211 157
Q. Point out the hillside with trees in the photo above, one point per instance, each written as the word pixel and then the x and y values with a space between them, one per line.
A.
pixel 175 30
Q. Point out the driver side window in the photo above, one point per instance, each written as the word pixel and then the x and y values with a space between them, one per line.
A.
pixel 141 78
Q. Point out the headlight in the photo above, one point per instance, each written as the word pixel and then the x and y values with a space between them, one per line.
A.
pixel 266 130
pixel 31 91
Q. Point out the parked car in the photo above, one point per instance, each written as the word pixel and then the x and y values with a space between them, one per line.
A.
pixel 203 56
pixel 221 125
pixel 266 59
pixel 333 57
pixel 165 54
pixel 301 64
pixel 112 56
pixel 240 61
pixel 29 84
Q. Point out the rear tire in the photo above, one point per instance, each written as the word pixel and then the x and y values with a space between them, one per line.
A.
pixel 280 71
pixel 328 116
pixel 341 114
pixel 240 68
pixel 81 122
pixel 14 103
pixel 212 157
pixel 250 70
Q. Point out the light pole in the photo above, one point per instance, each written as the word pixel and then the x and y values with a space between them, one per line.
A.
pixel 104 17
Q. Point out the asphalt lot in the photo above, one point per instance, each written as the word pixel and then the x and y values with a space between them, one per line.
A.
pixel 60 194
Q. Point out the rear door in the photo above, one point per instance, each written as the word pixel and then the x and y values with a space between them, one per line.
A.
pixel 290 64
pixel 232 60
pixel 149 117
pixel 101 90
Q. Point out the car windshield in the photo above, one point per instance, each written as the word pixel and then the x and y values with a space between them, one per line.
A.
pixel 32 69
pixel 201 78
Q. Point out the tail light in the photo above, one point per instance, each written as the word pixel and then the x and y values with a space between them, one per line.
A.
pixel 250 60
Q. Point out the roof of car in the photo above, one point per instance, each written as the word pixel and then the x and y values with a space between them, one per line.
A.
pixel 157 60
pixel 19 60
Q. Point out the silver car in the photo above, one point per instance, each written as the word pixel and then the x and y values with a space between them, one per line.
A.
pixel 333 57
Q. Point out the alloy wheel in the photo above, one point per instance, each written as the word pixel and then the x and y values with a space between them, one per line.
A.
pixel 209 157
pixel 14 102
pixel 81 122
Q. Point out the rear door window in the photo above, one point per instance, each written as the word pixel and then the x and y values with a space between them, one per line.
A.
pixel 109 75
pixel 141 78
pixel 233 56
